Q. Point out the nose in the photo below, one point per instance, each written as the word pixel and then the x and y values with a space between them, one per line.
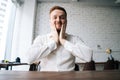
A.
pixel 58 19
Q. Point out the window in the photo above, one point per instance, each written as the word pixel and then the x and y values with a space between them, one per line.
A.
pixel 7 14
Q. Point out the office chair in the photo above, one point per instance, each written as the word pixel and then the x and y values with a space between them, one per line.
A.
pixel 76 67
pixel 111 64
pixel 34 66
pixel 89 66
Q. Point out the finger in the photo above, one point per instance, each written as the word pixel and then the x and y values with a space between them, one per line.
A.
pixel 62 32
pixel 63 29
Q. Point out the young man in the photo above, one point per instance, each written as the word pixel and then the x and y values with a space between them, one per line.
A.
pixel 57 50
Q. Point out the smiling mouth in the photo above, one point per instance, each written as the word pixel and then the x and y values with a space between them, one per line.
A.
pixel 58 26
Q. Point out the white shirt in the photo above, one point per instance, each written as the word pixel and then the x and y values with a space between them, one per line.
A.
pixel 60 58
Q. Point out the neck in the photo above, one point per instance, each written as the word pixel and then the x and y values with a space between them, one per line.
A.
pixel 58 32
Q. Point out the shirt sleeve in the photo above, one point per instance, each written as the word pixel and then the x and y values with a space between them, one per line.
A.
pixel 79 49
pixel 40 49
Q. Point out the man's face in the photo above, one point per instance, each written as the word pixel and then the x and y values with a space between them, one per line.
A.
pixel 58 18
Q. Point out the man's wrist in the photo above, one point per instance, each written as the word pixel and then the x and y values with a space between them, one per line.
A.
pixel 62 41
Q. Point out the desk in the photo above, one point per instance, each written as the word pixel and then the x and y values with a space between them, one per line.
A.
pixel 76 75
pixel 7 65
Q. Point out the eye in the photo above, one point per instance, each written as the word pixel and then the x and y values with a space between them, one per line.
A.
pixel 54 17
pixel 62 17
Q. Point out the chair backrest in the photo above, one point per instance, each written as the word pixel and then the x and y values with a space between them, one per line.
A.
pixel 116 64
pixel 34 66
pixel 89 66
pixel 111 64
pixel 76 67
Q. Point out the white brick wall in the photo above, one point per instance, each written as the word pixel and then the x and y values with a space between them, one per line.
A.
pixel 96 25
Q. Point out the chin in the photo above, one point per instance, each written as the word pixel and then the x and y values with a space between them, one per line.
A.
pixel 58 28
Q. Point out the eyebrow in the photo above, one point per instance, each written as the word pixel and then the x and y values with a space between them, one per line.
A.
pixel 60 15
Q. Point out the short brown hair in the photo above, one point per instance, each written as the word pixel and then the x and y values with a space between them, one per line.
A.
pixel 59 8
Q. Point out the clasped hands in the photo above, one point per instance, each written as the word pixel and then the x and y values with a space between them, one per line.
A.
pixel 59 38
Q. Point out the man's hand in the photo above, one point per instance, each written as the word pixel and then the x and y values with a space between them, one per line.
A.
pixel 62 35
pixel 55 34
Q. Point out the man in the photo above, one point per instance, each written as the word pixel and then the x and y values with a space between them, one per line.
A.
pixel 57 51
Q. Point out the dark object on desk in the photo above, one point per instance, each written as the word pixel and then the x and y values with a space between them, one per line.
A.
pixel 89 66
pixel 111 64
pixel 76 67
pixel 18 59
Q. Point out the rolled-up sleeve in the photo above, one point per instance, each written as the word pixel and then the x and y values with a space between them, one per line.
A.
pixel 40 49
pixel 79 49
